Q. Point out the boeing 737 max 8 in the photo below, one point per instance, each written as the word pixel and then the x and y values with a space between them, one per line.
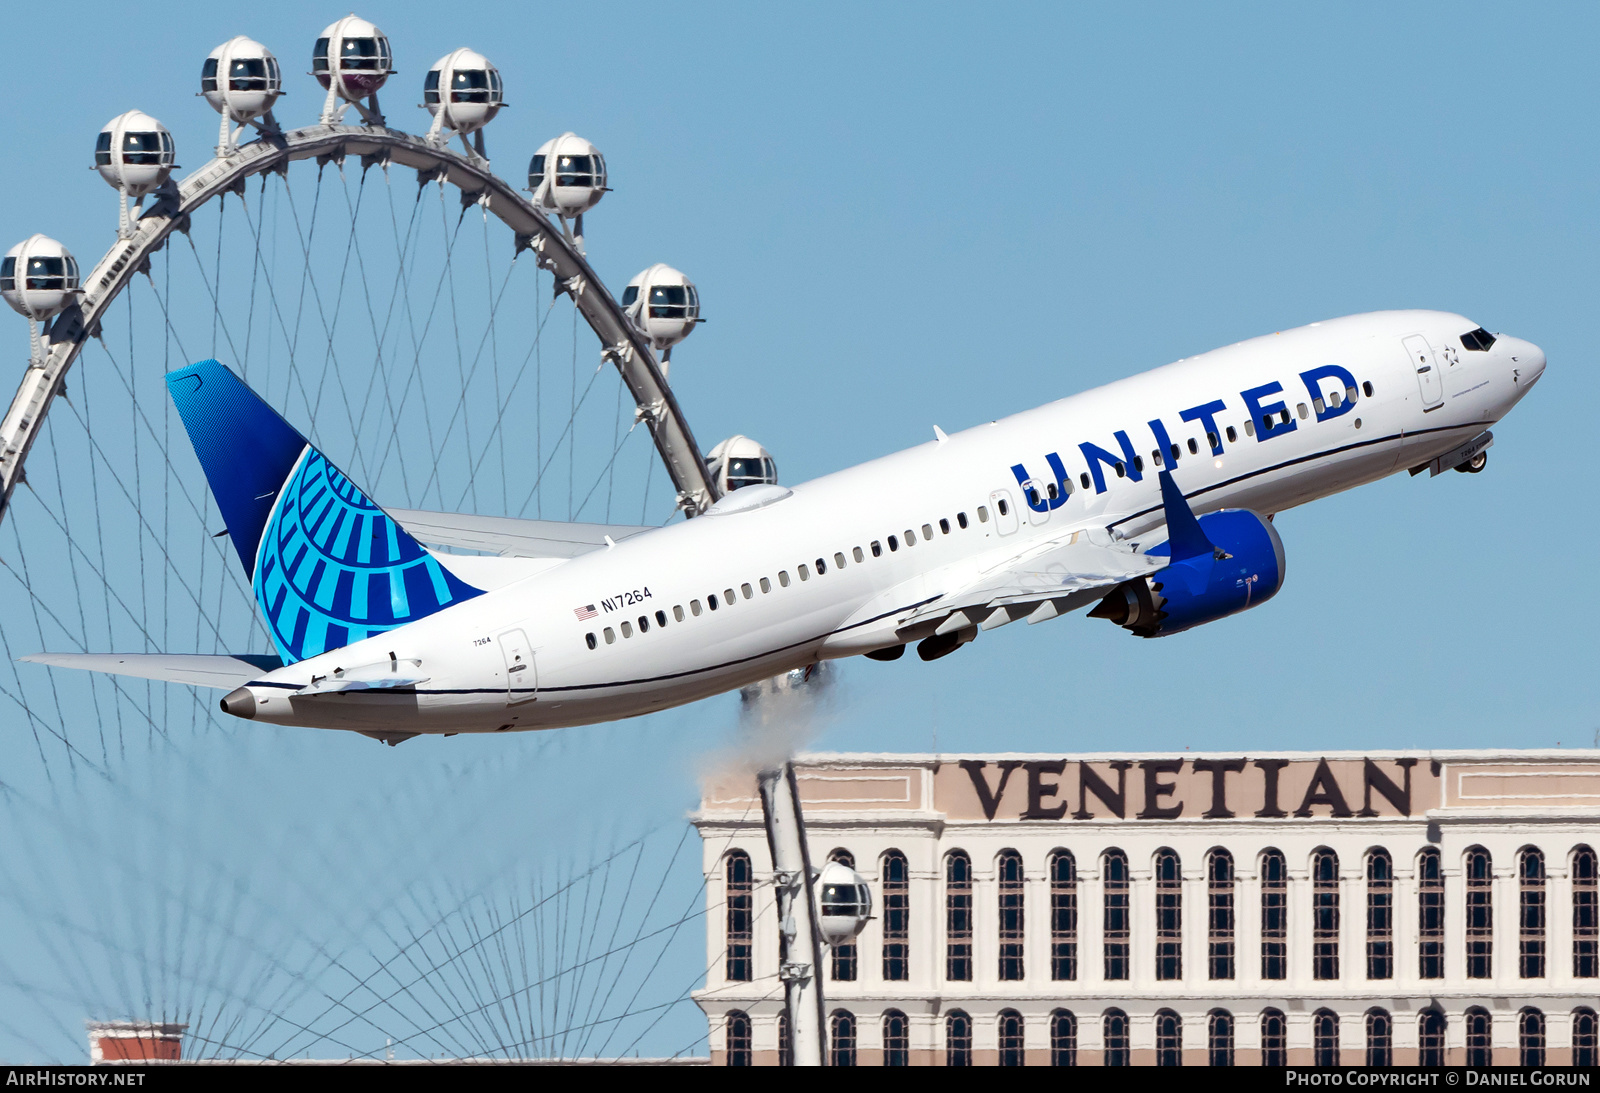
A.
pixel 1088 500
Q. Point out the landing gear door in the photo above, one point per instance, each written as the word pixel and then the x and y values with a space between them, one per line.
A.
pixel 1426 365
pixel 1005 513
pixel 522 675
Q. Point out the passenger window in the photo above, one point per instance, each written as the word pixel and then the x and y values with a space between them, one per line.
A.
pixel 627 630
pixel 1250 427
pixel 860 556
pixel 677 612
pixel 822 566
pixel 1122 472
pixel 1366 389
pixel 611 635
pixel 711 601
pixel 894 544
pixel 1232 434
pixel 1283 416
pixel 1334 397
pixel 728 597
pixel 927 529
pixel 661 618
pixel 1175 454
pixel 911 536
pixel 1194 448
pixel 877 549
pixel 1320 407
pixel 1301 410
pixel 1211 439
pixel 749 593
pixel 805 574
pixel 783 578
pixel 944 525
pixel 1155 457
pixel 1266 424
pixel 1084 478
pixel 588 640
pixel 694 607
pixel 644 624
pixel 961 520
pixel 983 515
pixel 766 585
pixel 1138 463
pixel 1004 507
pixel 838 561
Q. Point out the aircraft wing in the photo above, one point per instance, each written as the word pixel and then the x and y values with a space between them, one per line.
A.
pixel 509 536
pixel 1044 582
pixel 199 670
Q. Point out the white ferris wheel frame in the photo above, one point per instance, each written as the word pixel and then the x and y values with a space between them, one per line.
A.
pixel 170 208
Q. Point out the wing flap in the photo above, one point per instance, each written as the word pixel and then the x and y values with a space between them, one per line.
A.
pixel 198 670
pixel 509 536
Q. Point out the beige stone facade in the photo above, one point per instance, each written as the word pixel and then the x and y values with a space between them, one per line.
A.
pixel 1434 906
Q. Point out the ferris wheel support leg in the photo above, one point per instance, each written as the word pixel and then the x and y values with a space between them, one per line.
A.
pixel 799 942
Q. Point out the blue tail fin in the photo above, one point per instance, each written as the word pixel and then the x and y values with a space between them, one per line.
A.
pixel 327 565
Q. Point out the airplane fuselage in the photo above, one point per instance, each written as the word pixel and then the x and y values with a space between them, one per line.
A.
pixel 774 579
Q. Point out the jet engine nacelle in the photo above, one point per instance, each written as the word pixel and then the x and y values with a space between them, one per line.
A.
pixel 1244 571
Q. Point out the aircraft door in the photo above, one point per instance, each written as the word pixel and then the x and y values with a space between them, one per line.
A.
pixel 522 675
pixel 1038 496
pixel 1426 364
pixel 1005 512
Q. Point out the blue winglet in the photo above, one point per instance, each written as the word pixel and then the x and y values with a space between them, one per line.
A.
pixel 328 566
pixel 1184 535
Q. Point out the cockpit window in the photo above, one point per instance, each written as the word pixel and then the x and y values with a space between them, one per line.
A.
pixel 1478 340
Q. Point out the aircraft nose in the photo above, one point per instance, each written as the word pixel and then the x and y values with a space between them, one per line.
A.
pixel 1527 361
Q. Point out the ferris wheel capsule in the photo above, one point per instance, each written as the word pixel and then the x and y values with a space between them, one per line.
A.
pixel 38 278
pixel 134 154
pixel 352 60
pixel 740 461
pixel 845 902
pixel 567 176
pixel 241 80
pixel 463 92
pixel 664 305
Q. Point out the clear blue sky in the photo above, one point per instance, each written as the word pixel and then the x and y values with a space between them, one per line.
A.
pixel 902 215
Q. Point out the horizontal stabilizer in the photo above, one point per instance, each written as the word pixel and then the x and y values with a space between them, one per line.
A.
pixel 198 670
pixel 509 536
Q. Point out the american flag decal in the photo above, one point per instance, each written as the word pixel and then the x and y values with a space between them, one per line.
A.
pixel 584 613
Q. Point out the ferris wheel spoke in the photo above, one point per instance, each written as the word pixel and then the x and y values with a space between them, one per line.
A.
pixel 566 433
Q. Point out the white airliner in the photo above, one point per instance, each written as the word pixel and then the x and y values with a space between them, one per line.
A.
pixel 1091 498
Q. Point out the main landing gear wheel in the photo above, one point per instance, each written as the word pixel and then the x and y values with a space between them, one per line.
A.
pixel 1475 464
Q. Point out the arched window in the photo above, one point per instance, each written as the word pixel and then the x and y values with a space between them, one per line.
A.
pixel 957 1039
pixel 1325 915
pixel 1430 916
pixel 896 1039
pixel 1530 1037
pixel 1325 1038
pixel 1274 1038
pixel 844 953
pixel 1063 916
pixel 842 1039
pixel 1380 915
pixel 1169 916
pixel 1585 1037
pixel 1063 1039
pixel 958 916
pixel 737 1038
pixel 1274 918
pixel 1480 915
pixel 1585 914
pixel 1115 1035
pixel 738 880
pixel 1219 918
pixel 1169 1038
pixel 1114 929
pixel 1478 1040
pixel 1219 1038
pixel 1380 1038
pixel 896 882
pixel 784 1056
pixel 1010 1036
pixel 1530 918
pixel 1009 867
pixel 1430 1037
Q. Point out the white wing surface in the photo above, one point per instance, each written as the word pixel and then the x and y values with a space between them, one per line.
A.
pixel 199 670
pixel 509 536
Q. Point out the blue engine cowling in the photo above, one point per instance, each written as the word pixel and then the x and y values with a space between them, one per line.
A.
pixel 1245 570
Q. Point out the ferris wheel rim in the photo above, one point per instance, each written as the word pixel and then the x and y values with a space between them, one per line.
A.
pixel 622 344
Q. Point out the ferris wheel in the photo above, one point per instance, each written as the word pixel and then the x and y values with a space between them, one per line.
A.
pixel 411 311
